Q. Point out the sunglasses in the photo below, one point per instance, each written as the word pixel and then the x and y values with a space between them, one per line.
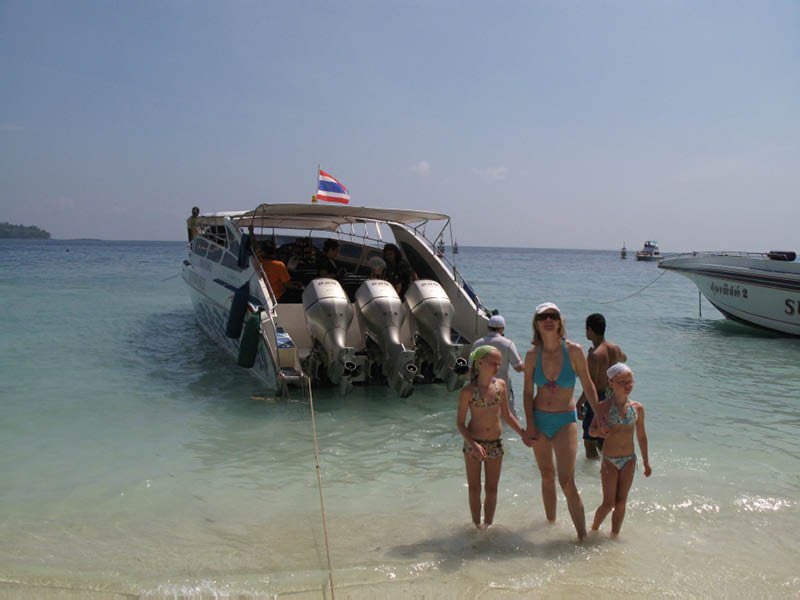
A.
pixel 548 315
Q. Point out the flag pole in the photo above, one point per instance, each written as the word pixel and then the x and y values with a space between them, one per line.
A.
pixel 316 184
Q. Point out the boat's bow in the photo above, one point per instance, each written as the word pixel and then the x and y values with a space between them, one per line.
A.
pixel 747 287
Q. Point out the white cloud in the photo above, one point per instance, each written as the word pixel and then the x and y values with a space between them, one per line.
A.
pixel 423 167
pixel 490 174
pixel 64 202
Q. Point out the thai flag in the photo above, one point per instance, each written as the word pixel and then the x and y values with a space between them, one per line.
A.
pixel 331 190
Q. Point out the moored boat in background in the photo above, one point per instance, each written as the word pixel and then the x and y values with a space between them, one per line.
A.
pixel 649 251
pixel 758 289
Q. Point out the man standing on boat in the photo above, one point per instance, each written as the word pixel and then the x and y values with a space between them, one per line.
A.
pixel 191 223
pixel 601 355
pixel 508 351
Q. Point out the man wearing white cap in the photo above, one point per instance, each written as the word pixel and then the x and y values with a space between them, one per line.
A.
pixel 495 337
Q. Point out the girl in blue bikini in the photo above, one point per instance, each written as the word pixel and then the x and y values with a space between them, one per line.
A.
pixel 551 366
pixel 485 399
pixel 619 458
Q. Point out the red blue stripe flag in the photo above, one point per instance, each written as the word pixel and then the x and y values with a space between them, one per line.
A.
pixel 331 189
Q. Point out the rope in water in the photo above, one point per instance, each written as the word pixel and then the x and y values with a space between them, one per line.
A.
pixel 634 293
pixel 319 482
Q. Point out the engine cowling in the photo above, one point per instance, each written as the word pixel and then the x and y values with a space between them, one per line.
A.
pixel 381 314
pixel 432 316
pixel 328 317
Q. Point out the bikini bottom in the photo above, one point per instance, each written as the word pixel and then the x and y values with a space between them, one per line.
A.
pixel 494 449
pixel 549 423
pixel 621 461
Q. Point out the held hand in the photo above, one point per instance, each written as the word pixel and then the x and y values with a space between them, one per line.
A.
pixel 647 470
pixel 530 436
pixel 479 450
pixel 603 430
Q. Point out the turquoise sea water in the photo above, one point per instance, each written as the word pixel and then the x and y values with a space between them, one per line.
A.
pixel 135 462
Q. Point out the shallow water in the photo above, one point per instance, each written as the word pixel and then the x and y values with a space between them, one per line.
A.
pixel 134 460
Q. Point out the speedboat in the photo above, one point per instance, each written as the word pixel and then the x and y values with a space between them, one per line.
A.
pixel 353 328
pixel 758 289
pixel 649 251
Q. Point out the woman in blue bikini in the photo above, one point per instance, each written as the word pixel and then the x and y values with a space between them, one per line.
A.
pixel 551 420
pixel 485 399
pixel 619 458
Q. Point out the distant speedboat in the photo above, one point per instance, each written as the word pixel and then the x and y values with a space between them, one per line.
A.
pixel 649 251
pixel 762 290
pixel 624 252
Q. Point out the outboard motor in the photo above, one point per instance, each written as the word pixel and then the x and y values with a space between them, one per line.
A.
pixel 381 314
pixel 431 317
pixel 328 316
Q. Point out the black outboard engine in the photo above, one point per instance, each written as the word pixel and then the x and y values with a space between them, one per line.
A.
pixel 381 314
pixel 328 316
pixel 431 317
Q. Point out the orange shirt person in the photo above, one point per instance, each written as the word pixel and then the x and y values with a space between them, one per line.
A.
pixel 276 271
pixel 277 274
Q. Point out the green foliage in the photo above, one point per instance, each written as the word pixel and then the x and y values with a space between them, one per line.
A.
pixel 9 231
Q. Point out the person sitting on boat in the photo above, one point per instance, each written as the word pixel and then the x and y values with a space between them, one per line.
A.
pixel 377 267
pixel 327 266
pixel 398 271
pixel 276 272
pixel 619 458
pixel 302 256
pixel 552 366
pixel 191 223
pixel 484 397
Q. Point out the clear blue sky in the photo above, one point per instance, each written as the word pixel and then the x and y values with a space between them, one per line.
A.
pixel 574 124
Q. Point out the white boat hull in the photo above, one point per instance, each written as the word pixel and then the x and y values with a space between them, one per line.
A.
pixel 746 288
pixel 212 302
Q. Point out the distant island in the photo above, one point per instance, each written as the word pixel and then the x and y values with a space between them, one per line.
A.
pixel 9 231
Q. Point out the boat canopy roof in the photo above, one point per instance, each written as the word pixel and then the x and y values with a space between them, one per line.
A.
pixel 324 217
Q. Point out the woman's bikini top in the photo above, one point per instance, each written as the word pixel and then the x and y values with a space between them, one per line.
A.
pixel 566 378
pixel 629 418
pixel 478 401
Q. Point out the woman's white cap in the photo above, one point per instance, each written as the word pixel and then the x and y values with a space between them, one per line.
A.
pixel 546 306
pixel 616 369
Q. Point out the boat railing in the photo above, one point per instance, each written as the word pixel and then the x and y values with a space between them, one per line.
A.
pixel 735 253
pixel 273 301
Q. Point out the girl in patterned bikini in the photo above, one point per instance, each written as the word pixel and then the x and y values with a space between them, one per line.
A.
pixel 619 457
pixel 485 399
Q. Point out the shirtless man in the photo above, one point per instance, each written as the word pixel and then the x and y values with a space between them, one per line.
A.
pixel 601 356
